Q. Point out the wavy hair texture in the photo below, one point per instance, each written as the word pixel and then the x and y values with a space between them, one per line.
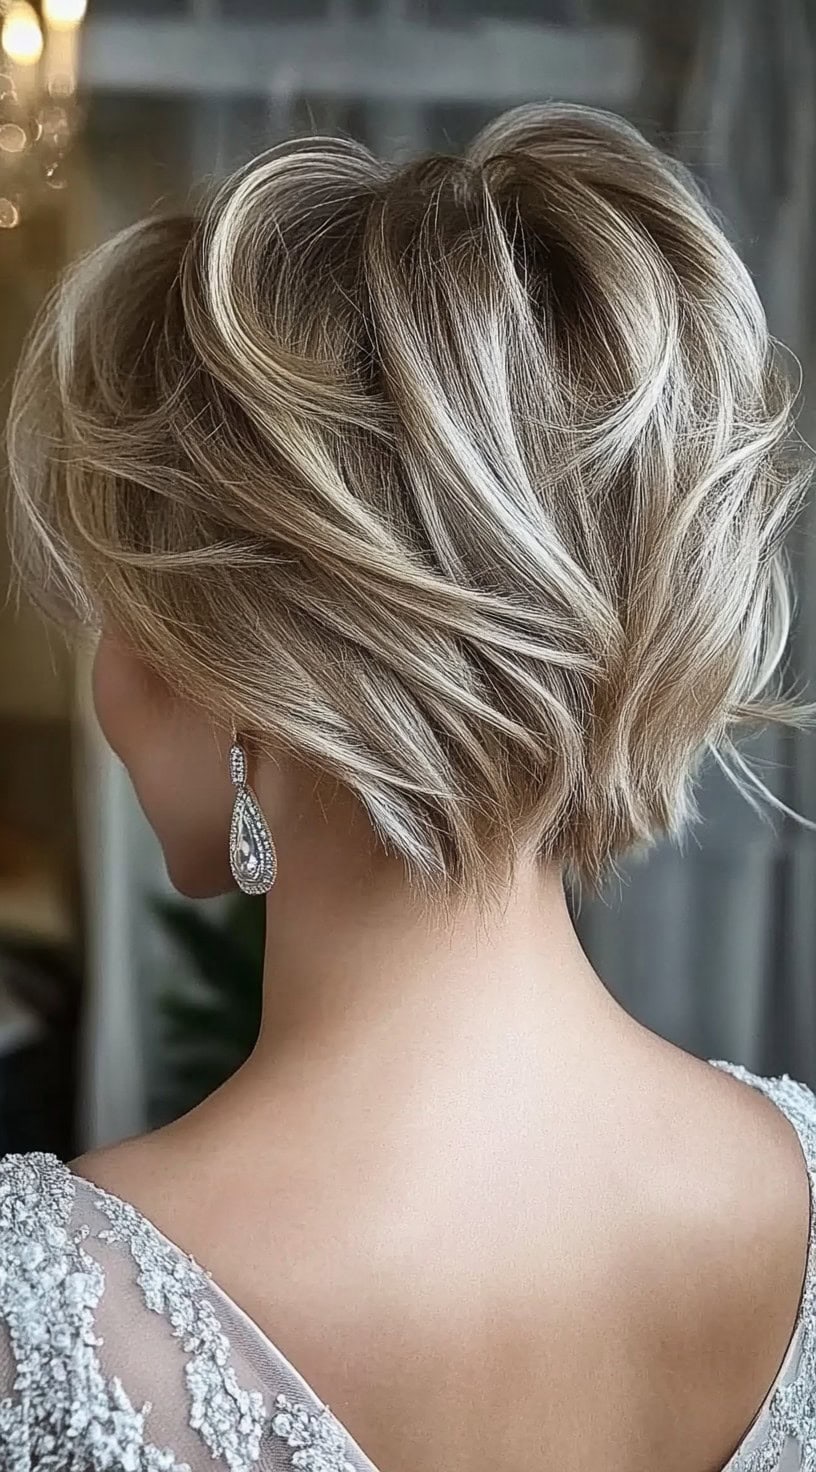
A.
pixel 465 481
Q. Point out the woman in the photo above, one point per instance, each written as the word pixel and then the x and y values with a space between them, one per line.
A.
pixel 431 517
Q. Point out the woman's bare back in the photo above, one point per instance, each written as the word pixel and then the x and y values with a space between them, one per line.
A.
pixel 617 1288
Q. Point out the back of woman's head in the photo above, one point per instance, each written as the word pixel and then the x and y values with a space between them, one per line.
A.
pixel 464 481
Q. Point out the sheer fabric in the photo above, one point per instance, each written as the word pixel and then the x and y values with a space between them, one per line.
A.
pixel 118 1353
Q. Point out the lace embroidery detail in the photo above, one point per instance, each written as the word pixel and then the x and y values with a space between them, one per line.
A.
pixel 792 1409
pixel 229 1420
pixel 318 1440
pixel 65 1412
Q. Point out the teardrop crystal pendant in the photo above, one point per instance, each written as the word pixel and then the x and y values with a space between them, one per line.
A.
pixel 253 859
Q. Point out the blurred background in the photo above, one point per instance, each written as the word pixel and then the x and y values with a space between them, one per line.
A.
pixel 121 1005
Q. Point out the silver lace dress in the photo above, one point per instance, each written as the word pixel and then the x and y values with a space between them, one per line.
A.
pixel 118 1353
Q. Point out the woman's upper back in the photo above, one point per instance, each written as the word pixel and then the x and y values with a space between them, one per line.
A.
pixel 118 1352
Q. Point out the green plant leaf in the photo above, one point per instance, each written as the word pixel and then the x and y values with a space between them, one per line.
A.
pixel 210 1022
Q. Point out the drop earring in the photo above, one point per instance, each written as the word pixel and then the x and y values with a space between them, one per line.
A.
pixel 253 860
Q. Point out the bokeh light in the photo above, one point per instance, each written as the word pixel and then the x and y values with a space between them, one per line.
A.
pixel 64 15
pixel 21 36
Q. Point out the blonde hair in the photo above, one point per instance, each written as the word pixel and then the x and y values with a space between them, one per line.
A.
pixel 465 481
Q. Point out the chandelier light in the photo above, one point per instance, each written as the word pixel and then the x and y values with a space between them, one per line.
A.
pixel 39 116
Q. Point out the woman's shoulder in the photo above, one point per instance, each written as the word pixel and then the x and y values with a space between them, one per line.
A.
pixel 80 1359
pixel 776 1134
pixel 770 1124
pixel 770 1121
pixel 35 1187
pixel 53 1390
pixel 795 1099
pixel 38 1244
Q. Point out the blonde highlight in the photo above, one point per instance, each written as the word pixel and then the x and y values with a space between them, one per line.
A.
pixel 465 481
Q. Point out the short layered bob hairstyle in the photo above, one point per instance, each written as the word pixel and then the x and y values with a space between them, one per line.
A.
pixel 465 480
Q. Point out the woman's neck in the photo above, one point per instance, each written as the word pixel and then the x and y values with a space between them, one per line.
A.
pixel 363 984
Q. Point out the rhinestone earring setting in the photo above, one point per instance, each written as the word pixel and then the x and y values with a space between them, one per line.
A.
pixel 253 860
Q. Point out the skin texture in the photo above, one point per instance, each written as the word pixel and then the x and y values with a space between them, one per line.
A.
pixel 177 764
pixel 503 1214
